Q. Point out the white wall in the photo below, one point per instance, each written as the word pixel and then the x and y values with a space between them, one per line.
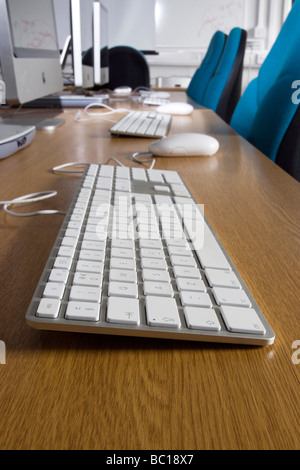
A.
pixel 183 34
pixel 132 23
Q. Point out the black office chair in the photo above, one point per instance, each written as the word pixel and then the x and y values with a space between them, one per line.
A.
pixel 128 66
pixel 288 155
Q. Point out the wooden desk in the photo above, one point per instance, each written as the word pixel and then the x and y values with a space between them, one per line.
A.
pixel 79 391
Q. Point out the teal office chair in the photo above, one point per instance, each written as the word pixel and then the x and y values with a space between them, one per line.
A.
pixel 224 89
pixel 207 68
pixel 266 114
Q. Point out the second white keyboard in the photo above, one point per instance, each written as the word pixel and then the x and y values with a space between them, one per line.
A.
pixel 143 124
pixel 135 256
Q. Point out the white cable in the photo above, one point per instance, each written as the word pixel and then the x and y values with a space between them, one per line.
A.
pixel 115 160
pixel 60 168
pixel 28 198
pixel 138 157
pixel 99 115
pixel 40 196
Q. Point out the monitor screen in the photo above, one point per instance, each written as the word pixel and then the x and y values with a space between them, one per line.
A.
pixel 29 52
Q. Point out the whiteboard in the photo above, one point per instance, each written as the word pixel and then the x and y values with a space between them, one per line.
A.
pixel 132 23
pixel 192 23
pixel 33 28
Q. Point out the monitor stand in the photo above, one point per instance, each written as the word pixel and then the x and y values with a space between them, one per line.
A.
pixel 68 99
pixel 45 120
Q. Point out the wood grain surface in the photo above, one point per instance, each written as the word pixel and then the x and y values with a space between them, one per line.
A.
pixel 80 391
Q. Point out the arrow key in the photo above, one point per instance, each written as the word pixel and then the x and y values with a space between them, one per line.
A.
pixel 123 310
pixel 202 319
pixel 162 311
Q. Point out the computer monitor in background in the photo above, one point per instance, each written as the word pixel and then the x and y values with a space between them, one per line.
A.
pixel 100 45
pixel 29 52
pixel 89 32
pixel 75 11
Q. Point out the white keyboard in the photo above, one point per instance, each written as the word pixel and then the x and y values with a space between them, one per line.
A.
pixel 135 256
pixel 143 124
pixel 156 101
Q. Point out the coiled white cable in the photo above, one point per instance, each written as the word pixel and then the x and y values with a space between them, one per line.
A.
pixel 144 157
pixel 101 115
pixel 28 198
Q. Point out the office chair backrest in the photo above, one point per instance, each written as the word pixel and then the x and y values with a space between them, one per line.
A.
pixel 207 68
pixel 266 114
pixel 128 66
pixel 224 88
pixel 288 155
pixel 268 73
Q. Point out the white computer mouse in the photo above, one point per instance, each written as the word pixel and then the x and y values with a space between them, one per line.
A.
pixel 182 109
pixel 122 90
pixel 185 145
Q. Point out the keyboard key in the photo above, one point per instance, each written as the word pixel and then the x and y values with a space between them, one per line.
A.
pixel 91 255
pixel 106 170
pixel 85 293
pixel 155 176
pixel 120 310
pixel 54 290
pixel 69 242
pixel 162 311
pixel 178 251
pixel 66 251
pixel 48 308
pixel 211 255
pixel 62 262
pixel 92 245
pixel 90 267
pixel 122 172
pixel 152 263
pixel 158 288
pixel 183 261
pixel 129 244
pixel 85 311
pixel 148 253
pixel 242 320
pixel 122 275
pixel 122 253
pixel 156 275
pixel 122 263
pixel 221 278
pixel 202 319
pixel 87 279
pixel 172 177
pixel 139 174
pixel 195 299
pixel 59 275
pixel 187 284
pixel 123 289
pixel 182 271
pixel 152 244
pixel 236 297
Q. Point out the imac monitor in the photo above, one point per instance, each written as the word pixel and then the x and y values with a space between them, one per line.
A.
pixel 103 54
pixel 91 59
pixel 29 52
